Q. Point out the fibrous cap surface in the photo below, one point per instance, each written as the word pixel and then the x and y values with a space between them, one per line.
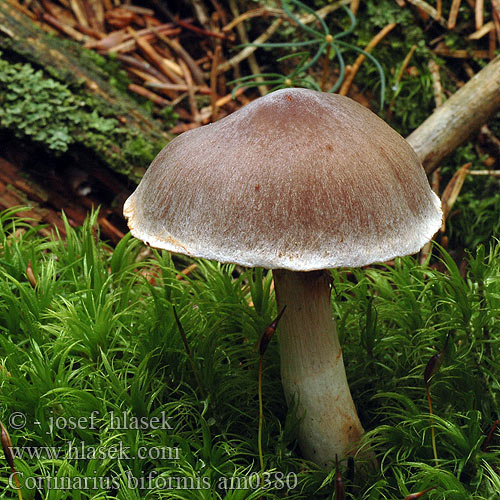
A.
pixel 297 179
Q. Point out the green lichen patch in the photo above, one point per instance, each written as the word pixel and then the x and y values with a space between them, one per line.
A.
pixel 46 111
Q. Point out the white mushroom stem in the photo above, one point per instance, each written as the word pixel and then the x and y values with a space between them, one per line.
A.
pixel 312 369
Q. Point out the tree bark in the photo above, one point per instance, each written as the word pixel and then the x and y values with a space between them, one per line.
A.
pixel 458 118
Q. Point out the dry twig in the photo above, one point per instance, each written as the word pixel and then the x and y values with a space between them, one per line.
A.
pixel 354 6
pixel 495 4
pixel 213 82
pixel 148 94
pixel 252 61
pixel 444 51
pixel 479 13
pixel 179 50
pixel 492 45
pixel 64 28
pixel 439 9
pixel 247 51
pixel 344 89
pixel 260 12
pixel 150 53
pixel 493 173
pixel 483 30
pixel 451 192
pixel 178 88
pixel 452 19
pixel 436 83
pixel 429 10
pixel 191 92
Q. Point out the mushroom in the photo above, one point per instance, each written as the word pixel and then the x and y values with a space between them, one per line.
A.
pixel 297 181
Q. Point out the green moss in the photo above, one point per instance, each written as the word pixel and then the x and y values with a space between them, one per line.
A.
pixel 47 111
pixel 109 68
pixel 138 147
pixel 43 109
pixel 94 338
pixel 168 117
pixel 412 97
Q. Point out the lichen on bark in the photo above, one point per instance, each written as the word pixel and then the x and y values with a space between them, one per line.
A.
pixel 57 94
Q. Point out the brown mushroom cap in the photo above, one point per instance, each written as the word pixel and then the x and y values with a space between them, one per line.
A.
pixel 297 179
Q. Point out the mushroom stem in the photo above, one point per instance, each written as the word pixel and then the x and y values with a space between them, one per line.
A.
pixel 312 369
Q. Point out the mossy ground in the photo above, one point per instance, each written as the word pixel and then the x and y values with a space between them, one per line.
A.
pixel 93 337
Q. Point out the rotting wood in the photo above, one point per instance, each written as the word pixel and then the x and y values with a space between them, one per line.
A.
pixel 17 188
pixel 65 63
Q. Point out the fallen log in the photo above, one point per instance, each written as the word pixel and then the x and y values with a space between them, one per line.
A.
pixel 57 94
pixel 18 188
pixel 458 118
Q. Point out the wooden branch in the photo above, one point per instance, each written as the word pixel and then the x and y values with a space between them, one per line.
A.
pixel 493 173
pixel 458 118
